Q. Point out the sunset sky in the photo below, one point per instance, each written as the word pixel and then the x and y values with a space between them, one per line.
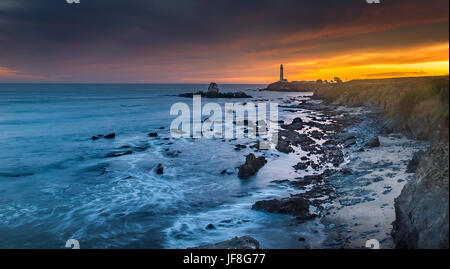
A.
pixel 227 41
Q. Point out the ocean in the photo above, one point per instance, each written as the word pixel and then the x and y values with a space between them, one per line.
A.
pixel 56 183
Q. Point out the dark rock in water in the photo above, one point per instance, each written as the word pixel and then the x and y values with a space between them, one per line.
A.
pixel 210 226
pixel 297 120
pixel 414 162
pixel 316 134
pixel 153 134
pixel 160 169
pixel 238 95
pixel 297 124
pixel 173 154
pixel 161 128
pixel 295 206
pixel 302 239
pixel 422 209
pixel 336 157
pixel 287 137
pixel 241 146
pixel 118 154
pixel 110 136
pixel 361 149
pixel 244 242
pixel 378 179
pixel 301 166
pixel 307 180
pixel 284 147
pixel 311 178
pixel 251 166
pixel 294 138
pixel 217 95
pixel 227 171
pixel 213 89
pixel 94 137
pixel 373 142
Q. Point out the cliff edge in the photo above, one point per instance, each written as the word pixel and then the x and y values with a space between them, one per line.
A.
pixel 422 208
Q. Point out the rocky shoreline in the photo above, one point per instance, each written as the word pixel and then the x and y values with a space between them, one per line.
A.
pixel 360 177
pixel 350 187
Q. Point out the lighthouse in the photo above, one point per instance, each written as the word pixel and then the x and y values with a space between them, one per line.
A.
pixel 281 73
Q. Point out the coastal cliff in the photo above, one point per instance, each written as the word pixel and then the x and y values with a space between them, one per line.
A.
pixel 419 108
pixel 416 106
pixel 422 208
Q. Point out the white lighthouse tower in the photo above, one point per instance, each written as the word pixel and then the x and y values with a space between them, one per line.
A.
pixel 282 79
pixel 281 73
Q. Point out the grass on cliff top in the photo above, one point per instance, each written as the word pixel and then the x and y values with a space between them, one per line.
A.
pixel 419 105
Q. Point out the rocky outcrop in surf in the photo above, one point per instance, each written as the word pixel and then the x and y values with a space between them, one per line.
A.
pixel 214 92
pixel 251 166
pixel 295 206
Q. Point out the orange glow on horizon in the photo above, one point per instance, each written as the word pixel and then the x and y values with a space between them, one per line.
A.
pixel 431 60
pixel 423 61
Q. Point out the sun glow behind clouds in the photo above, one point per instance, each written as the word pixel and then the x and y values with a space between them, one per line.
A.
pixel 422 61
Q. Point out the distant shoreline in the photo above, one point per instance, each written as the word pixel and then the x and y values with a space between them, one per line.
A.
pixel 308 86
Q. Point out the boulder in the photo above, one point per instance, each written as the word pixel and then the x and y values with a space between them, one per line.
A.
pixel 160 169
pixel 373 142
pixel 295 206
pixel 213 88
pixel 283 146
pixel 422 209
pixel 307 180
pixel 301 166
pixel 251 166
pixel 153 134
pixel 297 124
pixel 110 136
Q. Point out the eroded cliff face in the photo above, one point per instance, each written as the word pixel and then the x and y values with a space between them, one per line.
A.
pixel 423 205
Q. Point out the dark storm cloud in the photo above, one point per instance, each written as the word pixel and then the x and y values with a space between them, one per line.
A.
pixel 45 37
